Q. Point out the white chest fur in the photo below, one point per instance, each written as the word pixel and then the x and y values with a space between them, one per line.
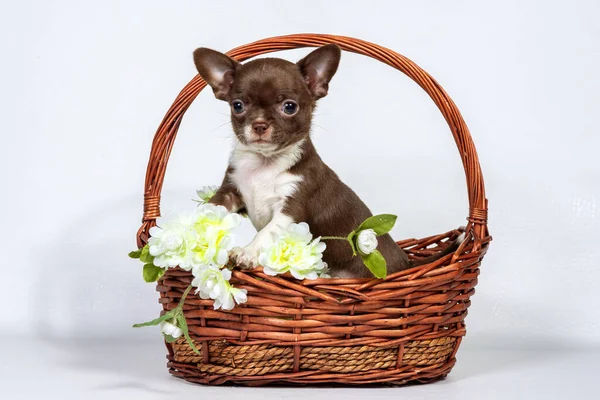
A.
pixel 264 181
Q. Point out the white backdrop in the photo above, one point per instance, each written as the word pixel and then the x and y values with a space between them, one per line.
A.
pixel 85 84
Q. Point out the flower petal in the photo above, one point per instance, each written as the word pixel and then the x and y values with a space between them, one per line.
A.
pixel 226 274
pixel 176 332
pixel 239 295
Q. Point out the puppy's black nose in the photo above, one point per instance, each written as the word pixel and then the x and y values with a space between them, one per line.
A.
pixel 260 127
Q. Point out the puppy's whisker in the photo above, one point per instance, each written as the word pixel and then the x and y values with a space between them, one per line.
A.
pixel 219 112
pixel 220 126
pixel 226 136
pixel 320 127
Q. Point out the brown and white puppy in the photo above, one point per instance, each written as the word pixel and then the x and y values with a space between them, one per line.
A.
pixel 275 173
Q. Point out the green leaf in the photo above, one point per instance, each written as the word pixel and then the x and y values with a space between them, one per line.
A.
pixel 145 256
pixel 164 317
pixel 381 224
pixel 152 273
pixel 181 322
pixel 376 264
pixel 170 339
pixel 135 254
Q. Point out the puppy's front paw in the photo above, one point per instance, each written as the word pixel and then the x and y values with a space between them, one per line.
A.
pixel 234 254
pixel 244 257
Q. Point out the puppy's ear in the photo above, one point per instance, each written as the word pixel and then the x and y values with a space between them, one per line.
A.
pixel 318 67
pixel 216 69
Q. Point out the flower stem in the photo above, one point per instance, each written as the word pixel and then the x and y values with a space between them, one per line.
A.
pixel 333 238
pixel 183 296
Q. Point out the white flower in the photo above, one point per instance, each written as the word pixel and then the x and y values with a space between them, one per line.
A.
pixel 294 252
pixel 366 241
pixel 213 283
pixel 200 238
pixel 199 241
pixel 206 193
pixel 170 329
pixel 214 224
pixel 171 241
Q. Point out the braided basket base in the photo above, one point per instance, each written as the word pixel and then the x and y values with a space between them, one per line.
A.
pixel 418 360
pixel 406 328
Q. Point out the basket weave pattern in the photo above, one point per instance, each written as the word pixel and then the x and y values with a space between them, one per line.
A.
pixel 405 328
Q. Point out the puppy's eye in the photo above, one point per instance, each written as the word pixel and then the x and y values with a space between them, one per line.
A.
pixel 289 107
pixel 237 106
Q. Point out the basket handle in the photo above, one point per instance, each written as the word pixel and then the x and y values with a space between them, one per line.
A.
pixel 167 130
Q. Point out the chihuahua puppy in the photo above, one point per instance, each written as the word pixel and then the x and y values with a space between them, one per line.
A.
pixel 275 174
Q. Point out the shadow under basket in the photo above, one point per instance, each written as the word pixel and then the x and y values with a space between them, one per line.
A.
pixel 401 329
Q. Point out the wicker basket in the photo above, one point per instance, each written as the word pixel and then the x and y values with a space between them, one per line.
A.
pixel 405 328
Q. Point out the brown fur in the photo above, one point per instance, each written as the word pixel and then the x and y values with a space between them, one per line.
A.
pixel 331 208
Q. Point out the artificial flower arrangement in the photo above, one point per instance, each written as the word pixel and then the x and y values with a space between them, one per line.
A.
pixel 200 242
